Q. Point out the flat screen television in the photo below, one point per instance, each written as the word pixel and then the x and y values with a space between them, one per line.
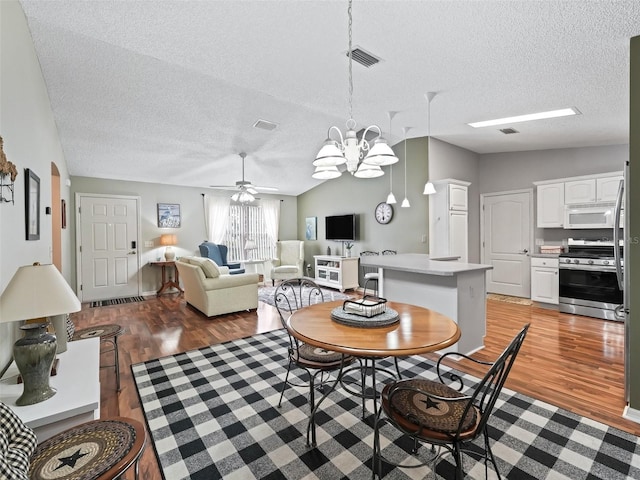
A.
pixel 341 227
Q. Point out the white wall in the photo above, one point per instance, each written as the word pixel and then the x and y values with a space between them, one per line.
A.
pixel 30 141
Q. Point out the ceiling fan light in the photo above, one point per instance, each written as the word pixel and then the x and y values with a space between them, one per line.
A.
pixel 243 197
pixel 429 189
pixel 366 170
pixel 381 154
pixel 391 198
pixel 326 173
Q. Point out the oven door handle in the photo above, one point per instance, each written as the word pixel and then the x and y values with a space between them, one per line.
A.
pixel 588 268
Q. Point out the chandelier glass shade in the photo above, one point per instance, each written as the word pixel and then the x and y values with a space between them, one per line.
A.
pixel 362 159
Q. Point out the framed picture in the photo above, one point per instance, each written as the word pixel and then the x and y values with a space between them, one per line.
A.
pixel 32 205
pixel 311 224
pixel 63 213
pixel 168 215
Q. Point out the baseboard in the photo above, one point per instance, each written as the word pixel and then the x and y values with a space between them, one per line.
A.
pixel 631 414
pixel 149 294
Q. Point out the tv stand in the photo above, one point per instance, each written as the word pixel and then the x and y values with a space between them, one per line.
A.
pixel 336 272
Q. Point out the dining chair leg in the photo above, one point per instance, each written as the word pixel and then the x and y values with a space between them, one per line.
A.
pixel 395 360
pixel 117 361
pixel 284 385
pixel 312 417
pixel 363 382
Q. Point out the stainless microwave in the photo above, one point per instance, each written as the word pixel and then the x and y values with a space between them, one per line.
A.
pixel 599 215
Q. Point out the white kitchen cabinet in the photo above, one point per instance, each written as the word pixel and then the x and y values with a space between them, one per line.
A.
pixel 607 188
pixel 550 203
pixel 449 219
pixel 336 272
pixel 544 280
pixel 580 191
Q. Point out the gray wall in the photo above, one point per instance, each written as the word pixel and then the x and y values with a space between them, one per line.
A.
pixel 348 194
pixel 192 230
pixel 30 141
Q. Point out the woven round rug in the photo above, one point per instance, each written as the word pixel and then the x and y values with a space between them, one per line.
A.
pixel 84 452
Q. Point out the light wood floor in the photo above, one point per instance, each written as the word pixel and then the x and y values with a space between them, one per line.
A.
pixel 570 361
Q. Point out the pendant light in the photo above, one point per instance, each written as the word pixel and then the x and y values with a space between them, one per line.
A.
pixel 429 189
pixel 405 203
pixel 391 198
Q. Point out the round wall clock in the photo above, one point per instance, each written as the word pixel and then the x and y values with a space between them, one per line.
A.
pixel 384 213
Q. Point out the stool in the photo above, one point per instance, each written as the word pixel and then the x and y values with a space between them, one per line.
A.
pixel 97 450
pixel 107 333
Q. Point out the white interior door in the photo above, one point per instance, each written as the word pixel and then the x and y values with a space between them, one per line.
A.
pixel 108 261
pixel 507 241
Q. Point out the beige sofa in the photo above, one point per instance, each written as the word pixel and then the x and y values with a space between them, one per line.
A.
pixel 211 289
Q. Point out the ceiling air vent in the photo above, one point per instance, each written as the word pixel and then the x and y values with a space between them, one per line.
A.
pixel 363 57
pixel 509 131
pixel 265 125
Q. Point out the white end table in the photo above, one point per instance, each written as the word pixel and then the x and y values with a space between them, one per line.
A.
pixel 78 391
pixel 254 266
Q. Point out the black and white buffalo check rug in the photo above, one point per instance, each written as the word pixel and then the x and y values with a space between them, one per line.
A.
pixel 212 413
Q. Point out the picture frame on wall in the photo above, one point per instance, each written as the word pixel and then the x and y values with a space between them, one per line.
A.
pixel 32 205
pixel 169 215
pixel 310 231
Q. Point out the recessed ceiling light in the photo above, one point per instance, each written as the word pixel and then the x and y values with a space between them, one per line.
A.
pixel 525 118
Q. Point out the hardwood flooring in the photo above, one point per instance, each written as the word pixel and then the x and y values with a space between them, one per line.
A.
pixel 574 362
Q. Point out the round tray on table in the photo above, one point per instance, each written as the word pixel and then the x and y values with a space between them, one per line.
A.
pixel 388 317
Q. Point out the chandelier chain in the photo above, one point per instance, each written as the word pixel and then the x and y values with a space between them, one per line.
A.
pixel 350 60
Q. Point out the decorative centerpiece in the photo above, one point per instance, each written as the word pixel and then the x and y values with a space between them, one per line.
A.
pixel 370 311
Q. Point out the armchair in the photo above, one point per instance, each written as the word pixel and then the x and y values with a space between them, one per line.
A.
pixel 288 262
pixel 218 253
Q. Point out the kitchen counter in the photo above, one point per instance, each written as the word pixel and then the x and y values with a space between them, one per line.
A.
pixel 545 255
pixel 452 288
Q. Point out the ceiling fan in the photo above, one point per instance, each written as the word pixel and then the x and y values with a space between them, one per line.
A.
pixel 246 190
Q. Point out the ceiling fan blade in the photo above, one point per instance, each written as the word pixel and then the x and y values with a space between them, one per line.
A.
pixel 228 187
pixel 266 189
pixel 251 189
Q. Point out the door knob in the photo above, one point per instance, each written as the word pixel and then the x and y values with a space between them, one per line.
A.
pixel 132 252
pixel 525 251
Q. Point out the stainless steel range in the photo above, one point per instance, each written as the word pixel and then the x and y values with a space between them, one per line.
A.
pixel 588 282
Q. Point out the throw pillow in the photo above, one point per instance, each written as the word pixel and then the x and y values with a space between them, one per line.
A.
pixel 209 267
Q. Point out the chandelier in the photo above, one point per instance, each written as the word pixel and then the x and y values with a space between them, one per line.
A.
pixel 362 159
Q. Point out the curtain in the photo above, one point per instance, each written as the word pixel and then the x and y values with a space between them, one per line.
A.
pixel 271 212
pixel 216 217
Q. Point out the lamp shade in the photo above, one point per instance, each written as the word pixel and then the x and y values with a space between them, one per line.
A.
pixel 37 291
pixel 168 239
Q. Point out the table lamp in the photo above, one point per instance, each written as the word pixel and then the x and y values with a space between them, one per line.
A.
pixel 248 247
pixel 168 240
pixel 34 292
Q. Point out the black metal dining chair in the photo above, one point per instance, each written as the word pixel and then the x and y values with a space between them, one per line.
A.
pixel 291 295
pixel 448 418
pixel 369 274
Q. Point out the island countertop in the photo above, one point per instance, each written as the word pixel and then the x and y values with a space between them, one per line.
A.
pixel 421 263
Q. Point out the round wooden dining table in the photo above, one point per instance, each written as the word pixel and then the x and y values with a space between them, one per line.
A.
pixel 419 330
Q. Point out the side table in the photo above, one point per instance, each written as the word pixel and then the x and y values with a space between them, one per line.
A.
pixel 166 281
pixel 254 266
pixel 77 399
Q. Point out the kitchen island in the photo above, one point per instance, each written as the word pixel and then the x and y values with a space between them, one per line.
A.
pixel 452 288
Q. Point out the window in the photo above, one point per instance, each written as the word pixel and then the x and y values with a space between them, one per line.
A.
pixel 246 222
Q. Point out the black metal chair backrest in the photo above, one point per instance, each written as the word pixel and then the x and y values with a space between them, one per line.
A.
pixel 294 294
pixel 485 394
pixel 389 252
pixel 366 269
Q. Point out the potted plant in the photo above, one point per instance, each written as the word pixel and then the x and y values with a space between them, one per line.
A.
pixel 347 248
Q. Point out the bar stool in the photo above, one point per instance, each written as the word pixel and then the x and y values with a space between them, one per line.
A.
pixel 108 333
pixel 369 274
pixel 97 450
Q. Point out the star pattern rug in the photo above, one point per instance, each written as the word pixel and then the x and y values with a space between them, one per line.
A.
pixel 212 413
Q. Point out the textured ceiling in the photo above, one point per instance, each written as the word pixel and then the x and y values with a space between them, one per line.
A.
pixel 168 91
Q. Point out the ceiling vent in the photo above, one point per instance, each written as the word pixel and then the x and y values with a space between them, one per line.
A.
pixel 509 131
pixel 265 125
pixel 363 57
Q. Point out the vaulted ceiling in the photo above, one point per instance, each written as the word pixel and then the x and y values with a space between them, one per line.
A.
pixel 168 91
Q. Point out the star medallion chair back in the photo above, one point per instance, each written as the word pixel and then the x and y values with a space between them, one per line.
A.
pixel 291 295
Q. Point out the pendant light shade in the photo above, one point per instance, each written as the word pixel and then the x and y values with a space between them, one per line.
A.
pixel 429 189
pixel 405 203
